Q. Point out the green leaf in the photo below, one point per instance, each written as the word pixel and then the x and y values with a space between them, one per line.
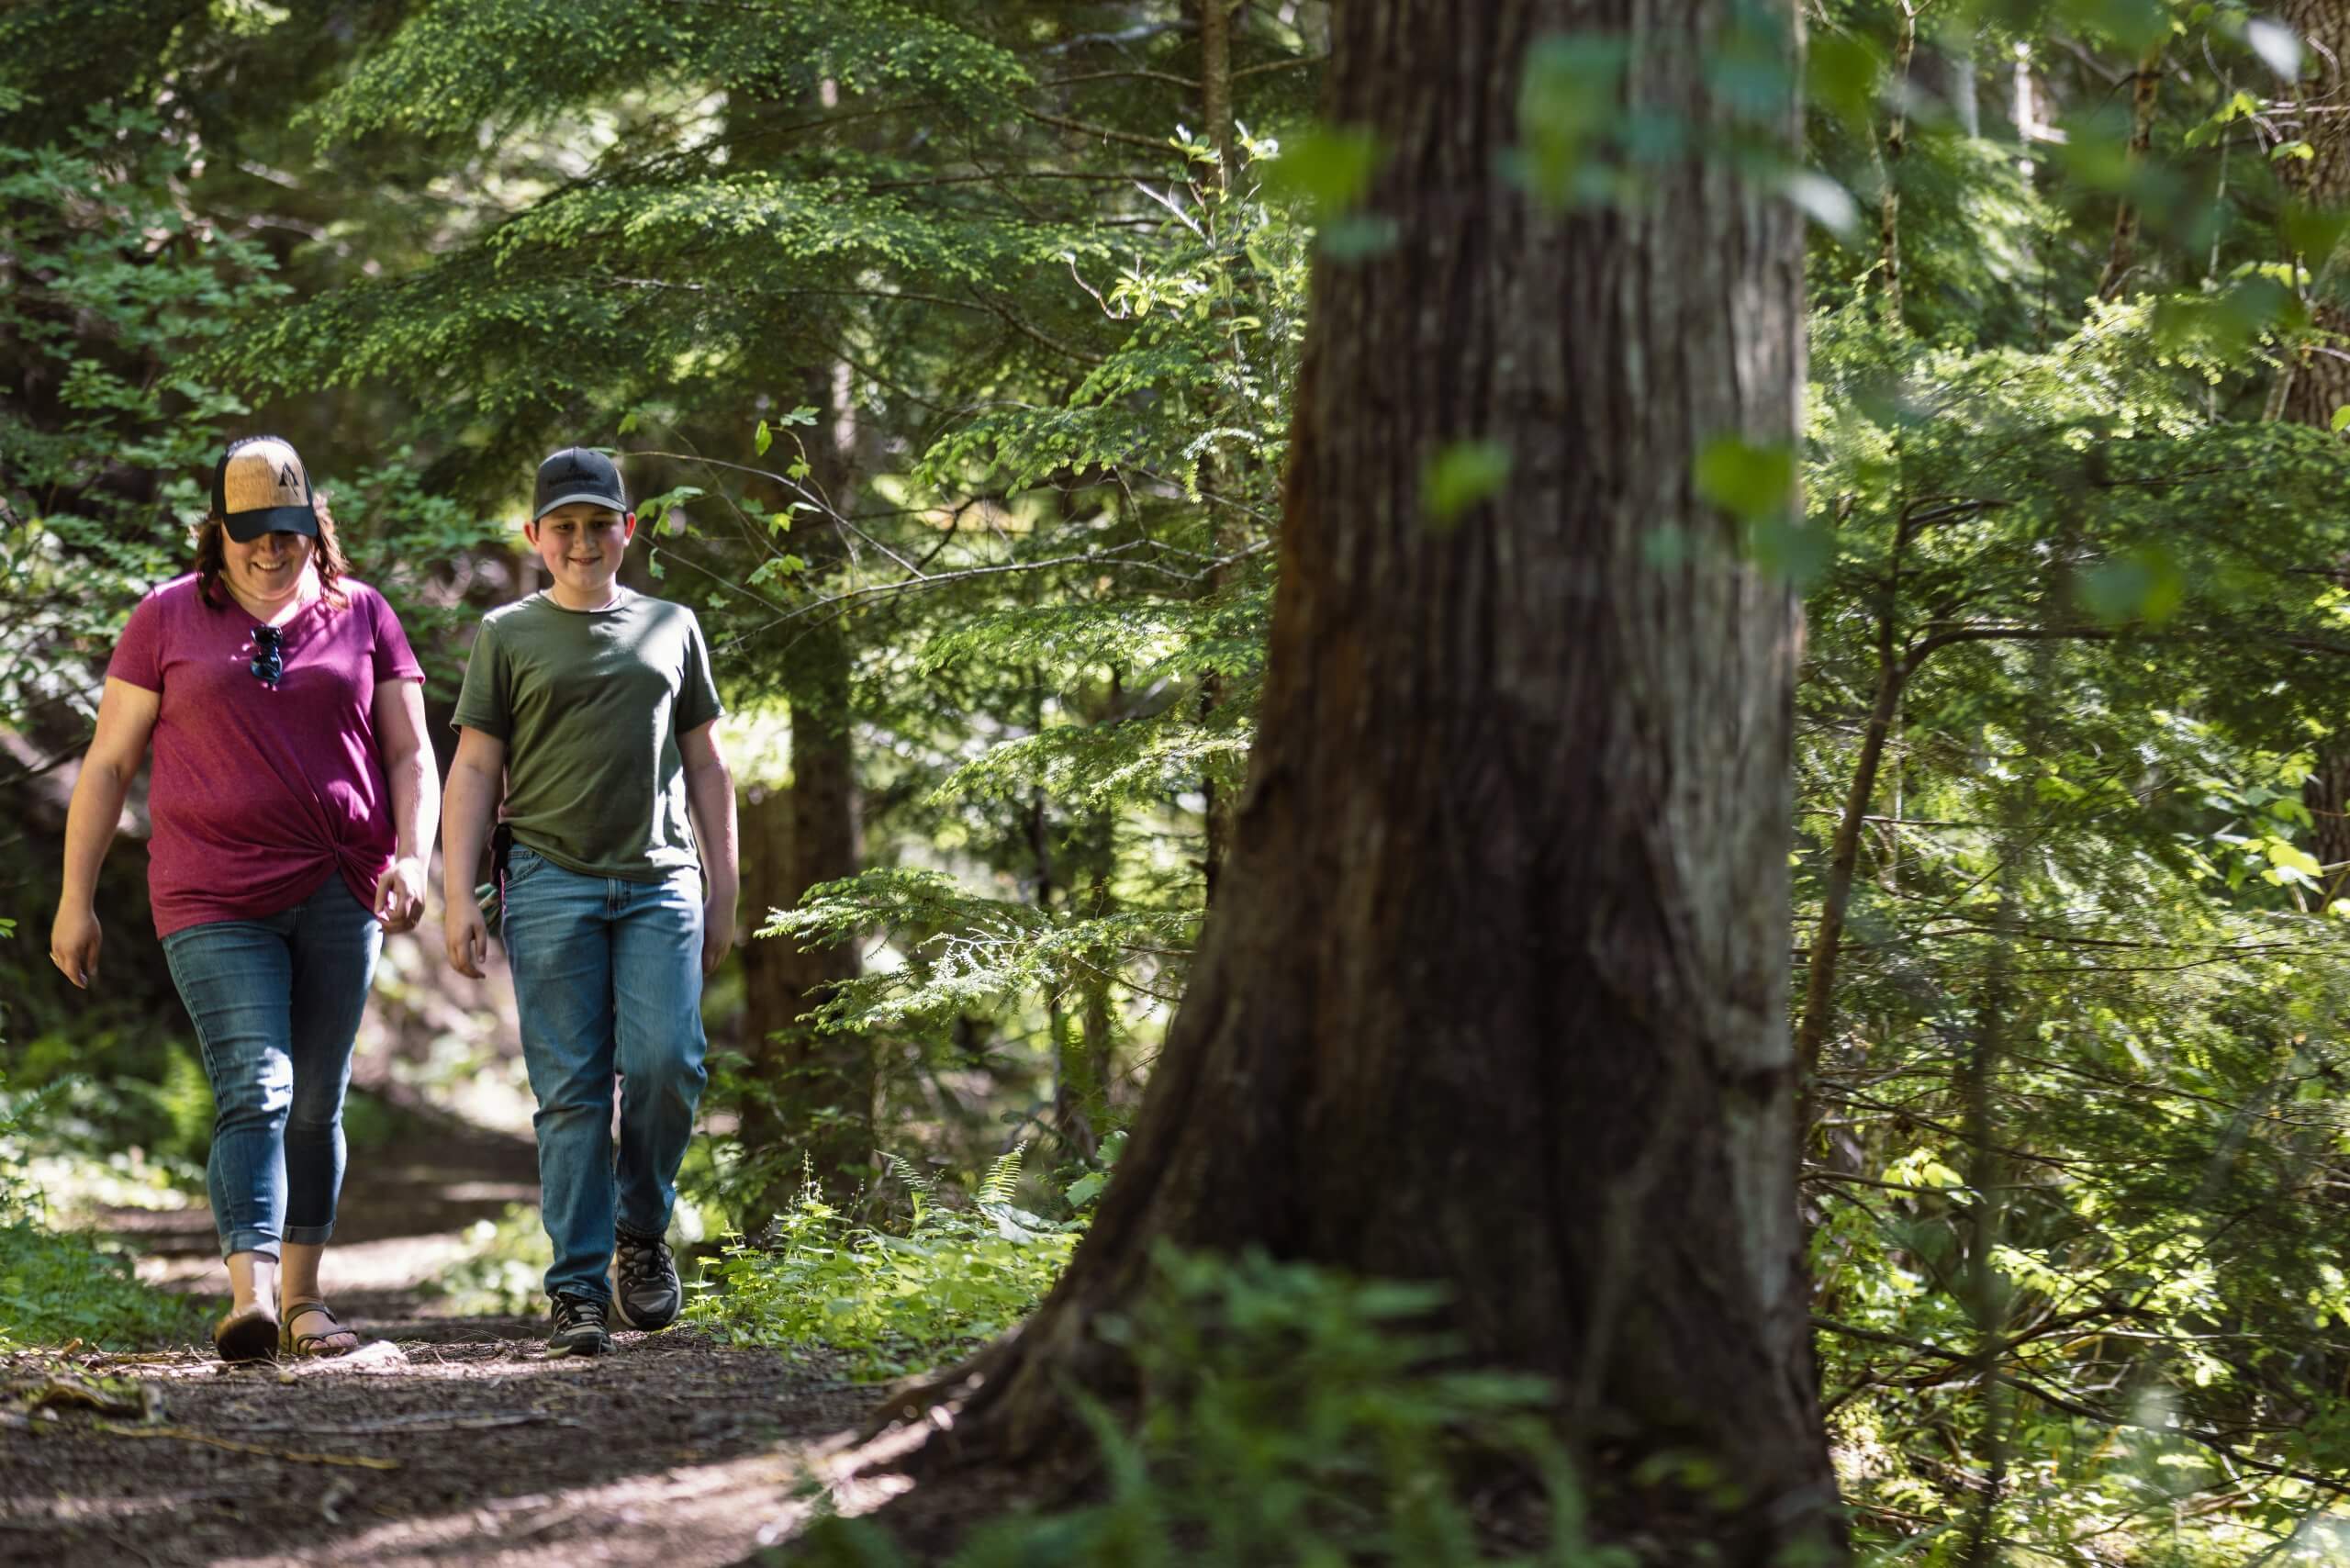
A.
pixel 1569 100
pixel 1790 548
pixel 2146 585
pixel 1329 168
pixel 762 438
pixel 1459 477
pixel 2341 421
pixel 1745 480
pixel 1841 75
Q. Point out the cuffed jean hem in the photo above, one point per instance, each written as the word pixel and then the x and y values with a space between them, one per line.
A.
pixel 309 1235
pixel 259 1241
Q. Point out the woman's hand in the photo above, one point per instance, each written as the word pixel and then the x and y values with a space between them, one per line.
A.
pixel 399 895
pixel 467 935
pixel 74 943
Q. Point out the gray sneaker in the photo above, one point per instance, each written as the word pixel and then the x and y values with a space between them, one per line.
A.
pixel 577 1327
pixel 645 1281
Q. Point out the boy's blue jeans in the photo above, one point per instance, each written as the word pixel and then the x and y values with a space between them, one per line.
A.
pixel 276 1002
pixel 607 975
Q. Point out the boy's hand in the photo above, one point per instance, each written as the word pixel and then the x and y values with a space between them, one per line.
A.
pixel 717 931
pixel 73 942
pixel 467 936
pixel 399 895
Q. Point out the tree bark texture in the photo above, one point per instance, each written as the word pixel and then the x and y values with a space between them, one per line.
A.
pixel 1890 153
pixel 1215 82
pixel 1495 991
pixel 2122 255
pixel 2321 380
pixel 814 1091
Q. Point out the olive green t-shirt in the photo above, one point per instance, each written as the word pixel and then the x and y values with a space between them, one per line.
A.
pixel 590 704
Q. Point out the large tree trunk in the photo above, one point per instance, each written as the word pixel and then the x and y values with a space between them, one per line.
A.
pixel 1495 991
pixel 814 1099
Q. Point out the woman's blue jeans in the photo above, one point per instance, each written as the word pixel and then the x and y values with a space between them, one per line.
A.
pixel 276 1003
pixel 607 976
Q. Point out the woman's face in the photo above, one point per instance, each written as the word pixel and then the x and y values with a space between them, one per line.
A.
pixel 268 571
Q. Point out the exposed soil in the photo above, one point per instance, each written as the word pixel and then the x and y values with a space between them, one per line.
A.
pixel 444 1441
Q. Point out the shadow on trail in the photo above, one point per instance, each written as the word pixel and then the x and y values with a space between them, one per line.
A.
pixel 444 1440
pixel 405 1205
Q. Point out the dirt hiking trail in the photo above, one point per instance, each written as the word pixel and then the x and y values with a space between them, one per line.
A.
pixel 443 1440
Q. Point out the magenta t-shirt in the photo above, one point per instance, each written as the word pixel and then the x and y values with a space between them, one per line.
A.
pixel 258 794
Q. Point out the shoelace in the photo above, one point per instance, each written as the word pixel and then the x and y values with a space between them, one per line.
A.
pixel 644 1259
pixel 571 1312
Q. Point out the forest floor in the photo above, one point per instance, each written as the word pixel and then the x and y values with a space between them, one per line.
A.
pixel 445 1440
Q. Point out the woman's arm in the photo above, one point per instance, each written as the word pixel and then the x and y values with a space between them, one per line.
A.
pixel 398 716
pixel 709 800
pixel 126 719
pixel 476 781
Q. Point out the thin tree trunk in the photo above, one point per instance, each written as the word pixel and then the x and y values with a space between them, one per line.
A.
pixel 1495 991
pixel 1225 528
pixel 1894 668
pixel 2122 254
pixel 2316 383
pixel 1080 1098
pixel 1895 146
pixel 814 1089
pixel 1216 83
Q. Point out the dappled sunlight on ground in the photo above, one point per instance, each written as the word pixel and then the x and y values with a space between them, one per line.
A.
pixel 445 1440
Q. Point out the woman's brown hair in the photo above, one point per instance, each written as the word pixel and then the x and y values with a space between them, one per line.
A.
pixel 212 558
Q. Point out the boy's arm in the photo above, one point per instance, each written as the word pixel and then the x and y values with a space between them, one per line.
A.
pixel 476 779
pixel 709 800
pixel 126 718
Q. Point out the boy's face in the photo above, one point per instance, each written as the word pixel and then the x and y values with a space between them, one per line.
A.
pixel 582 545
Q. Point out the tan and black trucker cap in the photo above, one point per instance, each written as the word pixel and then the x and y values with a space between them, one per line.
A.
pixel 260 487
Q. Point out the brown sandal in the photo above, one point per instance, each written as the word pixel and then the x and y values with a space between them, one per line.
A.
pixel 252 1334
pixel 313 1345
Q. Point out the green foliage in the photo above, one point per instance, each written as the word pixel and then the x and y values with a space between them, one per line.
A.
pixel 2083 1078
pixel 888 1304
pixel 1294 1416
pixel 120 288
pixel 59 1287
pixel 504 1267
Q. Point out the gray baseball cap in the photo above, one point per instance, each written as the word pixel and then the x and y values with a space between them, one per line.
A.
pixel 578 473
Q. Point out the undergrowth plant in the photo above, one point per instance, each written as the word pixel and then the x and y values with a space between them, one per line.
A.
pixel 59 1287
pixel 889 1304
pixel 1296 1416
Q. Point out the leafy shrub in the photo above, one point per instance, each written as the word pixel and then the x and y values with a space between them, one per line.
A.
pixel 505 1271
pixel 890 1303
pixel 59 1287
pixel 1294 1416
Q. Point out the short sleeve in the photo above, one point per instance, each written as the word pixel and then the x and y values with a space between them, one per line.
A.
pixel 698 701
pixel 483 703
pixel 395 660
pixel 138 655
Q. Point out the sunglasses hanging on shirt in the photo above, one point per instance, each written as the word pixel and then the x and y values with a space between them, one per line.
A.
pixel 269 658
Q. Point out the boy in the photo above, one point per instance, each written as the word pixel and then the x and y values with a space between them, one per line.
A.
pixel 592 705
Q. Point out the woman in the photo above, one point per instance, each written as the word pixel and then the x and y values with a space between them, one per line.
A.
pixel 291 826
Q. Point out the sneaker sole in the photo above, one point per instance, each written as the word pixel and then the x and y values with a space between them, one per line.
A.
pixel 634 1321
pixel 595 1346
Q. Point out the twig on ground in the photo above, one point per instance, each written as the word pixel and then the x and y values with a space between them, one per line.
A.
pixel 355 1461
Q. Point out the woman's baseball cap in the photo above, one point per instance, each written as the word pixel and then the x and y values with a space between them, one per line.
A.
pixel 578 473
pixel 259 487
